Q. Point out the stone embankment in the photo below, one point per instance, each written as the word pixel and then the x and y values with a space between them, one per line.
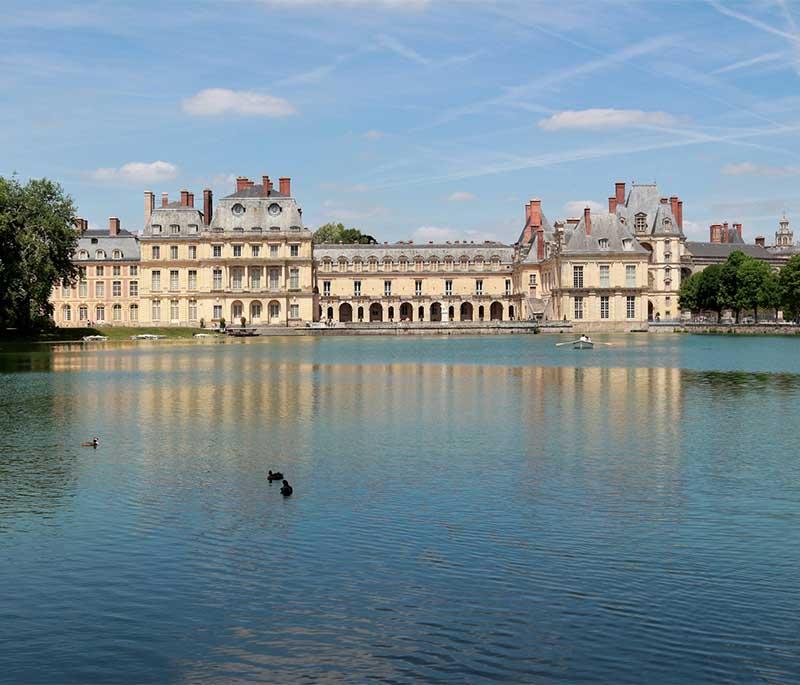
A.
pixel 737 329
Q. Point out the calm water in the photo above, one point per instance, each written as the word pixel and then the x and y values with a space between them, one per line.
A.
pixel 465 510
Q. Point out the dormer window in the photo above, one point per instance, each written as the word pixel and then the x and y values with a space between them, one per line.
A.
pixel 192 228
pixel 603 243
pixel 99 254
pixel 83 254
pixel 640 223
pixel 627 244
pixel 256 229
pixel 116 254
pixel 174 229
pixel 156 228
pixel 238 229
pixel 667 224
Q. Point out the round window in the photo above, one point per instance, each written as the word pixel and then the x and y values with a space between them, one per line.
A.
pixel 274 209
pixel 238 209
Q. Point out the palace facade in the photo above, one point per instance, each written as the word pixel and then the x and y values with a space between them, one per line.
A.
pixel 251 258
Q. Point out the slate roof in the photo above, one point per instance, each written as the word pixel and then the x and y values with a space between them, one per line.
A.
pixel 723 250
pixel 126 242
pixel 645 198
pixel 604 226
pixel 411 250
pixel 256 191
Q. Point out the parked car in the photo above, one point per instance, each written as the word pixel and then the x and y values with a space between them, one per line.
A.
pixel 748 320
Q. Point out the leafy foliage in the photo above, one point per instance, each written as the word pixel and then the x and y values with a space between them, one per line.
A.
pixel 338 233
pixel 789 281
pixel 37 240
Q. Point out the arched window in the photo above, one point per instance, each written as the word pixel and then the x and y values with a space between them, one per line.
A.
pixel 83 254
pixel 117 312
pixel 66 313
pixel 99 254
pixel 83 312
pixel 116 254
pixel 134 312
pixel 100 313
pixel 602 243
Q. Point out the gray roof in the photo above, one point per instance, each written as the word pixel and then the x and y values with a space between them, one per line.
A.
pixel 606 227
pixel 410 251
pixel 723 250
pixel 97 239
pixel 646 199
pixel 257 191
pixel 175 214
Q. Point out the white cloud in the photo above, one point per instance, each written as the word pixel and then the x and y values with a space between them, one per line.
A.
pixel 750 169
pixel 605 118
pixel 576 207
pixel 374 135
pixel 220 101
pixel 461 196
pixel 441 234
pixel 136 172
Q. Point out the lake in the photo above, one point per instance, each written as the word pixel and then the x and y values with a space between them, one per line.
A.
pixel 472 509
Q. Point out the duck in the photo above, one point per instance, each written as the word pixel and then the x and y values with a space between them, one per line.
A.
pixel 92 443
pixel 274 476
pixel 287 489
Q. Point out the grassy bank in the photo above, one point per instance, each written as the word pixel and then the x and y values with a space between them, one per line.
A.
pixel 112 333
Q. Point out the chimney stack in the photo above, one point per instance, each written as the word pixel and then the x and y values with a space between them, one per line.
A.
pixel 184 198
pixel 164 199
pixel 536 213
pixel 715 233
pixel 725 238
pixel 207 206
pixel 265 183
pixel 673 205
pixel 540 243
pixel 619 187
pixel 738 229
pixel 587 220
pixel 149 205
pixel 760 240
pixel 285 185
pixel 241 183
pixel 113 226
pixel 527 214
pixel 190 202
pixel 612 205
pixel 679 218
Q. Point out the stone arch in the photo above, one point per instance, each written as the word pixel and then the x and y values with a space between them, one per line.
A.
pixel 376 312
pixel 481 313
pixel 274 311
pixel 650 312
pixel 390 313
pixel 466 311
pixel 406 312
pixel 237 311
pixel 421 313
pixel 361 313
pixel 256 310
pixel 329 313
pixel 451 313
pixel 345 312
pixel 436 311
pixel 496 311
pixel 511 312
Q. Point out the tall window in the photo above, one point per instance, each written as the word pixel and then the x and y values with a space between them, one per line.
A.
pixel 155 311
pixel 64 291
pixel 294 279
pixel 174 313
pixel 216 250
pixel 98 271
pixel 255 250
pixel 83 312
pixel 155 281
pixel 294 250
pixel 326 288
pixel 630 275
pixel 217 311
pixel 173 252
pixel 508 287
pixel 66 313
pixel 156 252
pixel 294 311
pixel 133 270
pixel 134 312
pixel 630 307
pixel 236 278
pixel 357 288
pixel 578 308
pixel 173 279
pixel 532 280
pixel 274 279
pixel 116 271
pixel 133 288
pixel 640 223
pixel 604 306
pixel 255 278
pixel 192 280
pixel 667 277
pixel 192 310
pixel 237 250
pixel 192 251
pixel 479 286
pixel 577 277
pixel 116 312
pixel 448 287
pixel 100 313
pixel 217 279
pixel 83 288
pixel 273 250
pixel 605 276
pixel 668 251
pixel 99 289
pixel 418 288
pixel 116 288
pixel 387 288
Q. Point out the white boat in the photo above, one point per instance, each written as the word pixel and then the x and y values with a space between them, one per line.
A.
pixel 582 343
pixel 204 335
pixel 147 336
pixel 94 338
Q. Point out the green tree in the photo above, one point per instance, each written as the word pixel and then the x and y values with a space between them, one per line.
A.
pixel 751 276
pixel 37 240
pixel 789 281
pixel 728 294
pixel 688 294
pixel 338 233
pixel 769 295
pixel 708 289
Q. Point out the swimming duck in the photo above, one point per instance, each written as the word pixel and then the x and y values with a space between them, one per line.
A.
pixel 92 443
pixel 274 476
pixel 286 490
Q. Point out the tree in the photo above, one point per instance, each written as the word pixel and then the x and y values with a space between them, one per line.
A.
pixel 338 233
pixel 37 241
pixel 751 276
pixel 730 282
pixel 688 294
pixel 769 295
pixel 789 281
pixel 709 289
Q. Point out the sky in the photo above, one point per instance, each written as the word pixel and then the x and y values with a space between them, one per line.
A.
pixel 410 119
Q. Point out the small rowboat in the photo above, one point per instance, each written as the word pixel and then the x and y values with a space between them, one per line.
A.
pixel 94 338
pixel 582 343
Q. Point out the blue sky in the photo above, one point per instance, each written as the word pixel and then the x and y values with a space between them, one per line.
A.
pixel 423 119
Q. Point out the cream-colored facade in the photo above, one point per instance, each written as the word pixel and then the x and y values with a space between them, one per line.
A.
pixel 250 258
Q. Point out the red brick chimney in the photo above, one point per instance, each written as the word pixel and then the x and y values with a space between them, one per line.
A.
pixel 207 206
pixel 725 238
pixel 715 233
pixel 113 226
pixel 184 198
pixel 190 201
pixel 587 220
pixel 285 185
pixel 265 183
pixel 760 241
pixel 527 214
pixel 149 205
pixel 673 205
pixel 679 218
pixel 241 183
pixel 619 188
pixel 612 205
pixel 540 243
pixel 164 199
pixel 536 213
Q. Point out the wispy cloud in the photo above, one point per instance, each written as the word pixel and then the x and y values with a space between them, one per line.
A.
pixel 136 172
pixel 461 196
pixel 402 50
pixel 605 118
pixel 576 207
pixel 745 63
pixel 750 169
pixel 757 23
pixel 220 101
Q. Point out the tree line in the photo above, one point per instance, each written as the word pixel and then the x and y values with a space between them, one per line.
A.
pixel 743 284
